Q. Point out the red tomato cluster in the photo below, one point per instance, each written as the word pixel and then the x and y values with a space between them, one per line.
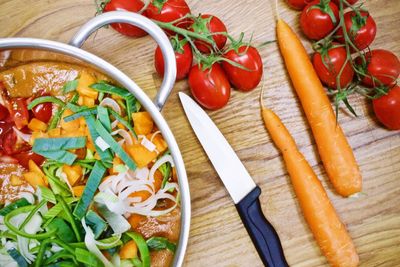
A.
pixel 343 59
pixel 14 116
pixel 204 39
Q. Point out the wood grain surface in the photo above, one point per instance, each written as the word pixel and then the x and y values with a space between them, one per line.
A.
pixel 217 236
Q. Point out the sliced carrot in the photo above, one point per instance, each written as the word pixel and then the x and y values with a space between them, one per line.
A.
pixel 329 232
pixel 37 125
pixel 141 155
pixel 70 126
pixel 142 122
pixel 74 173
pixel 84 82
pixel 56 132
pixel 34 179
pixel 78 190
pixel 33 167
pixel 128 251
pixel 336 153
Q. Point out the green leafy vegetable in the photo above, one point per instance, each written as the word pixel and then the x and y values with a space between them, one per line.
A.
pixel 91 186
pixel 17 257
pixel 60 255
pixel 47 194
pixel 106 156
pixel 60 156
pixel 111 89
pixel 114 145
pixel 165 169
pixel 60 143
pixel 96 223
pixel 142 246
pixel 123 122
pixel 159 243
pixel 102 115
pixel 57 116
pixel 70 86
pixel 32 213
pixel 15 205
pixel 71 219
pixel 87 258
pixel 63 230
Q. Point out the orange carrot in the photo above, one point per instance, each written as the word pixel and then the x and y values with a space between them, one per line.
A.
pixel 336 154
pixel 329 232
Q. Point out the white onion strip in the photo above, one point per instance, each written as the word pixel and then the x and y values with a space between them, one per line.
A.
pixel 124 134
pixel 109 102
pixel 23 136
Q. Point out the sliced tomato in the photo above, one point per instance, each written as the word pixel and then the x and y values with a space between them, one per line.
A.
pixel 19 112
pixel 3 112
pixel 24 157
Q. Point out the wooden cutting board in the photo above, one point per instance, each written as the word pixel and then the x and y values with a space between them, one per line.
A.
pixel 217 236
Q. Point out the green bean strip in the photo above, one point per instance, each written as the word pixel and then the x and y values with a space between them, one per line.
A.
pixel 42 250
pixel 69 216
pixel 22 233
pixel 32 213
pixel 45 99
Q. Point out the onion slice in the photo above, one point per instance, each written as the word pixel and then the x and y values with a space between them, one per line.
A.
pixel 109 102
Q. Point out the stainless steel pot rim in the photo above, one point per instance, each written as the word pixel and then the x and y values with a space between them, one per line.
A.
pixel 125 81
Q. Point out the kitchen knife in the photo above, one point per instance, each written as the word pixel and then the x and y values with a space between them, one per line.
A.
pixel 241 187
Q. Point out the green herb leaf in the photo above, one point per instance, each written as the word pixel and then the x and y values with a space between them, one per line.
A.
pixel 70 86
pixel 111 89
pixel 63 230
pixel 114 145
pixel 91 186
pixel 13 206
pixel 96 223
pixel 159 243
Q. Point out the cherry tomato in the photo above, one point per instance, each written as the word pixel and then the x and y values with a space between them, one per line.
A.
pixel 334 61
pixel 209 87
pixel 361 29
pixel 3 112
pixel 351 2
pixel 387 108
pixel 24 157
pixel 43 112
pixel 19 112
pixel 209 24
pixel 4 127
pixel 126 5
pixel 183 57
pixel 318 19
pixel 248 57
pixel 383 65
pixel 298 4
pixel 11 145
pixel 169 10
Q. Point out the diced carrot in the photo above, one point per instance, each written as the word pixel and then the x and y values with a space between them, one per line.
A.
pixel 37 125
pixel 159 142
pixel 121 126
pixel 71 125
pixel 84 82
pixel 16 180
pixel 80 101
pixel 128 251
pixel 87 101
pixel 143 123
pixel 34 179
pixel 78 190
pixel 158 179
pixel 141 155
pixel 142 194
pixel 174 175
pixel 135 219
pixel 82 122
pixel 56 132
pixel 74 173
pixel 33 167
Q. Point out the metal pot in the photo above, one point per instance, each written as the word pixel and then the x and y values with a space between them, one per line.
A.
pixel 74 51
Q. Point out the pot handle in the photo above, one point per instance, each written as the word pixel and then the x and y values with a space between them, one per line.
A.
pixel 152 29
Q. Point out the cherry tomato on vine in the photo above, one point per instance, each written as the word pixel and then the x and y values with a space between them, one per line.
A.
pixel 328 66
pixel 210 87
pixel 206 24
pixel 298 4
pixel 361 29
pixel 387 108
pixel 126 5
pixel 381 64
pixel 183 57
pixel 19 112
pixel 169 10
pixel 318 19
pixel 248 57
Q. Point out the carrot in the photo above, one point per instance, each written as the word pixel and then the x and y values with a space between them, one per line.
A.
pixel 128 251
pixel 329 232
pixel 336 154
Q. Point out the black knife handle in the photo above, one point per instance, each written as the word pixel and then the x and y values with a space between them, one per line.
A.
pixel 262 233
